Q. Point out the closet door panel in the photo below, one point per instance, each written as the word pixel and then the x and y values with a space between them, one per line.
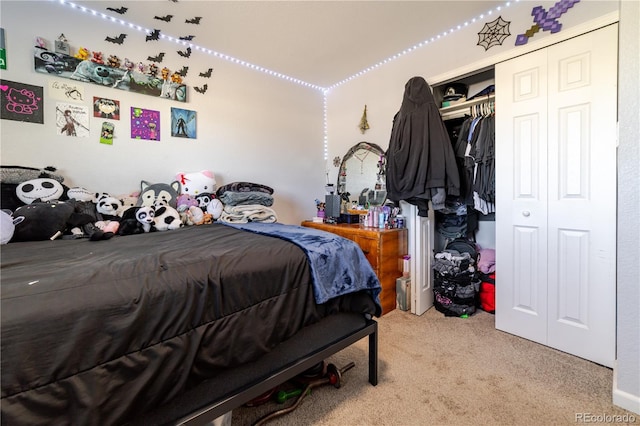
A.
pixel 556 195
pixel 582 195
pixel 521 182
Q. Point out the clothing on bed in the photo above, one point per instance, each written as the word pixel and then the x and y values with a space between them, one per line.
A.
pixel 231 198
pixel 333 275
pixel 248 213
pixel 244 187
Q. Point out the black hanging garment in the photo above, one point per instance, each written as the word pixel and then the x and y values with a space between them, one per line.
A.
pixel 421 165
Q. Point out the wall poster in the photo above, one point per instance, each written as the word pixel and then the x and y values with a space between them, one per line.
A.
pixel 66 66
pixel 183 123
pixel 21 102
pixel 145 124
pixel 72 120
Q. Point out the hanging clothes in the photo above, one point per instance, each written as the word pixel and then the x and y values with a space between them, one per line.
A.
pixel 475 148
pixel 421 164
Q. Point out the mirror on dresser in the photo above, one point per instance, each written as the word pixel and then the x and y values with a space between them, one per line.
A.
pixel 359 171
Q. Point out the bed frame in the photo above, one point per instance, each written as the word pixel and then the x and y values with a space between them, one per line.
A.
pixel 213 398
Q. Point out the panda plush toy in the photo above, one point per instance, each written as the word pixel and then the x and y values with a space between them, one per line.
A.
pixel 166 218
pixel 210 204
pixel 137 220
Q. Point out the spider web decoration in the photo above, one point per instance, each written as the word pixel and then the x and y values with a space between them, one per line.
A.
pixel 493 33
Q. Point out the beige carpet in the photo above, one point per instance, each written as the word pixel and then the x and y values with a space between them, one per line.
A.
pixel 437 370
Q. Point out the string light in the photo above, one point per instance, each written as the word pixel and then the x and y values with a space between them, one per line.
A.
pixel 185 43
pixel 325 90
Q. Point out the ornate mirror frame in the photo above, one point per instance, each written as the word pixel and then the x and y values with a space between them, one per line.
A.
pixel 368 155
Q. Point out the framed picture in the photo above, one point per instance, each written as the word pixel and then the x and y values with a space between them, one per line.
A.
pixel 145 124
pixel 106 108
pixel 72 119
pixel 21 102
pixel 183 123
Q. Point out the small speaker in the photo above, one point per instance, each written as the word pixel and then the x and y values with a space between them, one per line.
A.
pixel 332 205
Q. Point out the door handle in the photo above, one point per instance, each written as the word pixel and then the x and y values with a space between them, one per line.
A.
pixel 526 213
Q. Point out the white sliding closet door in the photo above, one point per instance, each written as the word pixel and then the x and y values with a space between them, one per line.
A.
pixel 556 195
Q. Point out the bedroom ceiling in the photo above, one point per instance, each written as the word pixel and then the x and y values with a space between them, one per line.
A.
pixel 319 42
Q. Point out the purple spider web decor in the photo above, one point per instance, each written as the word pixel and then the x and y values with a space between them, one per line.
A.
pixel 546 20
pixel 493 33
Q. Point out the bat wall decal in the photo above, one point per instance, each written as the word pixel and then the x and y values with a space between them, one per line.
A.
pixel 155 35
pixel 202 89
pixel 186 53
pixel 195 20
pixel 166 18
pixel 157 58
pixel 189 37
pixel 183 72
pixel 120 11
pixel 116 40
pixel 207 73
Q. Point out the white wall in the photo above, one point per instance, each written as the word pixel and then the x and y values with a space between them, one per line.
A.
pixel 382 89
pixel 251 126
pixel 626 392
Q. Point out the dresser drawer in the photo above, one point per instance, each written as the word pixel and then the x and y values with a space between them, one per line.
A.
pixel 382 247
pixel 369 247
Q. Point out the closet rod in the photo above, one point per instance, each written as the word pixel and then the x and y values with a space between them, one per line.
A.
pixel 462 109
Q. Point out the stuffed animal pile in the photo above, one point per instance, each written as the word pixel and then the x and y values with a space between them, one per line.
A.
pixel 38 206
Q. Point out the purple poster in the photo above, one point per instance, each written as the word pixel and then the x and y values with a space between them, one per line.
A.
pixel 145 124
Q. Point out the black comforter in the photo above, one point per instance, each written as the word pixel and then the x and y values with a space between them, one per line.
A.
pixel 95 332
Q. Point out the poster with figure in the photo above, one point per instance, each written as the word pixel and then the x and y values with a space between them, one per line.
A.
pixel 72 120
pixel 183 123
pixel 106 108
pixel 145 124
pixel 21 102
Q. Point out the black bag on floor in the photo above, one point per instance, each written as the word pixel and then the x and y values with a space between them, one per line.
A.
pixel 455 295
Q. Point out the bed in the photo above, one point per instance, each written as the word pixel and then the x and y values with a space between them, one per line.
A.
pixel 174 327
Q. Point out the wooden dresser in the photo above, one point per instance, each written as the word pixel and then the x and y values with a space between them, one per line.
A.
pixel 383 248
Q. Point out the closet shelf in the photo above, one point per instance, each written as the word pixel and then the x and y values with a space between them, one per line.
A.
pixel 463 108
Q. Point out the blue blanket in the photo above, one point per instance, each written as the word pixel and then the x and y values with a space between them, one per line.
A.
pixel 338 265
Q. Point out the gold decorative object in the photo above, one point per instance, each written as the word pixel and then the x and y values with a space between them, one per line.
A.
pixel 364 124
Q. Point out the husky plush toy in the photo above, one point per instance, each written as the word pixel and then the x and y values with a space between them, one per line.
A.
pixel 151 194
